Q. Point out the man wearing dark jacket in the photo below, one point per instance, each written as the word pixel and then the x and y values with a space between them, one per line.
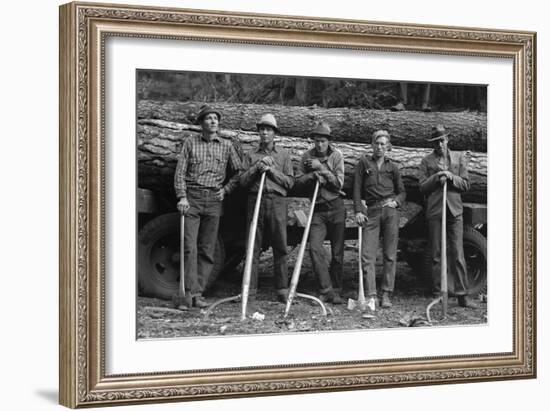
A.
pixel 437 168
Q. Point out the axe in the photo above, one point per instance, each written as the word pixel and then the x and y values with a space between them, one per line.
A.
pixel 361 302
pixel 180 300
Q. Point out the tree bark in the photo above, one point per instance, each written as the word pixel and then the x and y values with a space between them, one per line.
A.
pixel 159 143
pixel 407 128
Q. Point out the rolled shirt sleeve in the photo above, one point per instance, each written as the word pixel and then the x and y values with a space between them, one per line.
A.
pixel 180 184
pixel 358 185
pixel 236 167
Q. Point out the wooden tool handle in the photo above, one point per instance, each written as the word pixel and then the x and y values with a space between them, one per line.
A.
pixel 300 258
pixel 250 248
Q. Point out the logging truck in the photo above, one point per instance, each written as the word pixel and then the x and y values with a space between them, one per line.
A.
pixel 159 143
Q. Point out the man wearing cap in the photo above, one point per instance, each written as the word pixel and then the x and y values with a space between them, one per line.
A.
pixel 437 168
pixel 378 191
pixel 198 181
pixel 277 165
pixel 325 164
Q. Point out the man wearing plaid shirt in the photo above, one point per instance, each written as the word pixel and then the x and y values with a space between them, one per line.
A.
pixel 198 181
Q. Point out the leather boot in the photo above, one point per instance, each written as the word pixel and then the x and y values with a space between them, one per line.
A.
pixel 200 302
pixel 386 301
pixel 336 298
pixel 467 302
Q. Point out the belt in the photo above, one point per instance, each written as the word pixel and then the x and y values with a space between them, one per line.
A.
pixel 206 190
pixel 266 194
pixel 379 203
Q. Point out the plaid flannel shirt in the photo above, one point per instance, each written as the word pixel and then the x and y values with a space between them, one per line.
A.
pixel 203 164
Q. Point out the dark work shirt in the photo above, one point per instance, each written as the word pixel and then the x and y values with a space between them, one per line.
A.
pixel 333 162
pixel 372 184
pixel 279 180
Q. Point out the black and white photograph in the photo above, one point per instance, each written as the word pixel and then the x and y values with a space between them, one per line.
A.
pixel 282 204
pixel 256 203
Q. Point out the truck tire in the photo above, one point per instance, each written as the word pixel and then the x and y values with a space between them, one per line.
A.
pixel 159 257
pixel 475 254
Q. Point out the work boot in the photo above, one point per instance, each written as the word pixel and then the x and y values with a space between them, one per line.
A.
pixel 386 302
pixel 372 302
pixel 200 302
pixel 282 296
pixel 331 297
pixel 467 302
pixel 325 297
pixel 399 107
pixel 336 298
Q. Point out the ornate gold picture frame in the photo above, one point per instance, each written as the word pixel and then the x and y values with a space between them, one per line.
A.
pixel 85 28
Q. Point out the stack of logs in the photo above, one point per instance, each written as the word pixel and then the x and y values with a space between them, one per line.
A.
pixel 162 126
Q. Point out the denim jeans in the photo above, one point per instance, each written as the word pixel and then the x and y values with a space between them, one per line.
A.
pixel 328 223
pixel 201 232
pixel 385 220
pixel 271 230
pixel 456 263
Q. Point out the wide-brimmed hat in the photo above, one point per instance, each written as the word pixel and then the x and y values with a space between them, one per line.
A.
pixel 438 132
pixel 268 120
pixel 206 109
pixel 321 130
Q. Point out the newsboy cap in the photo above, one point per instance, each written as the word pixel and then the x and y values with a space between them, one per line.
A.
pixel 322 130
pixel 438 132
pixel 268 120
pixel 206 109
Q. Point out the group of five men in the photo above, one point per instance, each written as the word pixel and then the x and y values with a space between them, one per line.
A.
pixel 378 191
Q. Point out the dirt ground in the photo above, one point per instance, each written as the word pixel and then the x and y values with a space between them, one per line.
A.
pixel 158 319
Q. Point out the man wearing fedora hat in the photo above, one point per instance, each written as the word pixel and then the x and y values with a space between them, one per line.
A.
pixel 198 181
pixel 324 163
pixel 277 165
pixel 437 168
pixel 378 191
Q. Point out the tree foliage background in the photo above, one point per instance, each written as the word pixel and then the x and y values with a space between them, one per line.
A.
pixel 303 91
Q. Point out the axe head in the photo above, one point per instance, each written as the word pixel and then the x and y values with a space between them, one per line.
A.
pixel 362 305
pixel 352 304
pixel 181 301
pixel 359 305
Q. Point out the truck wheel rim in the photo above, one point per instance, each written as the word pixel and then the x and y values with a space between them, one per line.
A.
pixel 164 260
